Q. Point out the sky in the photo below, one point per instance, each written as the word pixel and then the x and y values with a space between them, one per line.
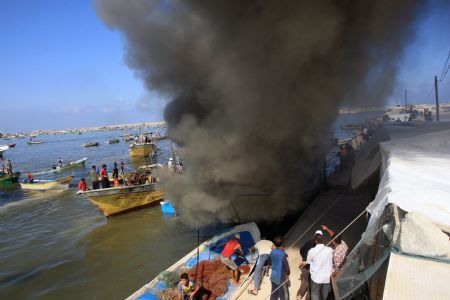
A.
pixel 61 67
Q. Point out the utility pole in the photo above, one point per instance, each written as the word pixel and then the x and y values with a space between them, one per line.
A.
pixel 437 97
pixel 406 100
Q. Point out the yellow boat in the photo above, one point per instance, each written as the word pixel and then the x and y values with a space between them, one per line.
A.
pixel 113 201
pixel 142 149
pixel 47 185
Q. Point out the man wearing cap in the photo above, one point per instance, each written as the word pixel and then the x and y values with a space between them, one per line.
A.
pixel 225 257
pixel 320 259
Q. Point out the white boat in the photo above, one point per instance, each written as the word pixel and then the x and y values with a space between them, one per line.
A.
pixel 208 251
pixel 74 164
pixel 3 148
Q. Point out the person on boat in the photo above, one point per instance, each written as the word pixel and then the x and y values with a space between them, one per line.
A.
pixel 60 163
pixel 170 164
pixel 82 186
pixel 9 168
pixel 320 259
pixel 230 248
pixel 104 177
pixel 122 167
pixel 340 250
pixel 115 175
pixel 93 175
pixel 188 289
pixel 263 247
pixel 343 156
pixel 280 271
pixel 30 177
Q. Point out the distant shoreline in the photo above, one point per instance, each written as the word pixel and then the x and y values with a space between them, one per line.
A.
pixel 86 129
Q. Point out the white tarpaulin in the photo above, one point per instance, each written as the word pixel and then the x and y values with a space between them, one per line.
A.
pixel 415 174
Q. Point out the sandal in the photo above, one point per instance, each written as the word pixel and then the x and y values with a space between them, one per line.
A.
pixel 252 292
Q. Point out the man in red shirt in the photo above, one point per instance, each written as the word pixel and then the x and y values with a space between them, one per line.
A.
pixel 104 176
pixel 225 257
pixel 82 185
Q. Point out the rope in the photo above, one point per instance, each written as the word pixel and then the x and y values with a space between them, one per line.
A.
pixel 198 253
pixel 336 235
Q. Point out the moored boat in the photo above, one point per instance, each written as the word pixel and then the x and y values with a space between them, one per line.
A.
pixel 113 201
pixel 11 145
pixel 46 185
pixel 350 126
pixel 93 144
pixel 143 147
pixel 112 141
pixel 9 178
pixel 35 142
pixel 3 149
pixel 207 253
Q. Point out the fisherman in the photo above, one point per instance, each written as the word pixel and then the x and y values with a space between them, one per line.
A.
pixel 93 175
pixel 264 247
pixel 343 153
pixel 30 177
pixel 82 185
pixel 104 177
pixel 230 248
pixel 122 167
pixel 280 271
pixel 320 259
pixel 305 275
pixel 60 162
pixel 340 250
pixel 170 164
pixel 115 175
pixel 9 168
pixel 188 289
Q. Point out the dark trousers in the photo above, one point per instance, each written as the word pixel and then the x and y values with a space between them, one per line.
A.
pixel 95 185
pixel 281 293
pixel 105 183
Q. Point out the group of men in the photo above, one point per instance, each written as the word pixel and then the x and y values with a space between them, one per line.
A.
pixel 320 264
pixel 100 176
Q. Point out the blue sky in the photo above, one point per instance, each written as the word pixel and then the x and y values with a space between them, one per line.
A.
pixel 60 67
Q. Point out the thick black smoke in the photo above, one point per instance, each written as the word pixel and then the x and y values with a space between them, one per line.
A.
pixel 255 86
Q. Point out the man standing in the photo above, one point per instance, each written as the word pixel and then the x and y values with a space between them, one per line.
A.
pixel 232 246
pixel 94 178
pixel 60 164
pixel 320 259
pixel 115 175
pixel 104 176
pixel 304 269
pixel 280 271
pixel 340 250
pixel 122 167
pixel 264 247
pixel 9 169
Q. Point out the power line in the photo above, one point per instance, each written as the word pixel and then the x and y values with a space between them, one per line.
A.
pixel 446 68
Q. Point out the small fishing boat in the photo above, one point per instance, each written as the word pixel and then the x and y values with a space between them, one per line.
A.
pixel 143 147
pixel 11 145
pixel 35 142
pixel 3 149
pixel 208 252
pixel 350 126
pixel 93 144
pixel 113 201
pixel 113 141
pixel 9 178
pixel 74 164
pixel 130 138
pixel 47 185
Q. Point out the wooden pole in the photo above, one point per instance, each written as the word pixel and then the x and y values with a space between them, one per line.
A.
pixel 437 97
pixel 406 99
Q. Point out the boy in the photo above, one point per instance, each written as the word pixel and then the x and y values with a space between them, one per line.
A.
pixel 280 271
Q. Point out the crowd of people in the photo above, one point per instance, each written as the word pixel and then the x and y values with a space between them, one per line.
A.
pixel 100 178
pixel 319 266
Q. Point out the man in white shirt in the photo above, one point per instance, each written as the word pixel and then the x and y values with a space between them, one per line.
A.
pixel 264 247
pixel 320 259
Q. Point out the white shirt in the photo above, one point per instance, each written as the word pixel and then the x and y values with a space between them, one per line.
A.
pixel 264 247
pixel 320 259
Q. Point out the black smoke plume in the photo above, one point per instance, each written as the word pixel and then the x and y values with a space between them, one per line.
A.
pixel 254 87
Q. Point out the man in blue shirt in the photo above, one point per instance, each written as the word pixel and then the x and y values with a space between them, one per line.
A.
pixel 280 271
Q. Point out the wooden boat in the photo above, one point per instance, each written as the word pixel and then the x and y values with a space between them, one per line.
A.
pixel 11 145
pixel 143 147
pixel 113 141
pixel 93 144
pixel 113 201
pixel 9 178
pixel 35 142
pixel 74 164
pixel 130 138
pixel 47 185
pixel 3 149
pixel 350 126
pixel 209 251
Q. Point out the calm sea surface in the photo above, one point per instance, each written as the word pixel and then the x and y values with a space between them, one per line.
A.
pixel 56 245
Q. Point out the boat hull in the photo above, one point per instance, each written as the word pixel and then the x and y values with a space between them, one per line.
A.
pixel 142 150
pixel 47 185
pixel 9 178
pixel 114 201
